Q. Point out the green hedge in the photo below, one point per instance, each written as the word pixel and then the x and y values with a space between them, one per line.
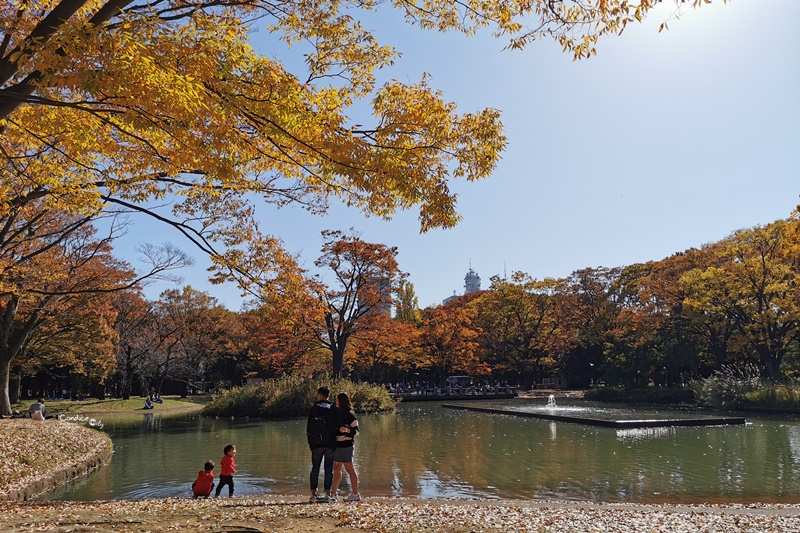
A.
pixel 292 396
pixel 657 395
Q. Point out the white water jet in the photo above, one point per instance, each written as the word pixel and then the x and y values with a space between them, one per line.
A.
pixel 551 401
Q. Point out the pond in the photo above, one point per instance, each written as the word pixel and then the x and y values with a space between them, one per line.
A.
pixel 423 450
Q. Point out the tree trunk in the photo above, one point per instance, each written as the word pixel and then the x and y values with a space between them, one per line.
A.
pixel 720 350
pixel 338 362
pixel 100 391
pixel 773 366
pixel 127 378
pixel 14 385
pixel 5 375
pixel 74 386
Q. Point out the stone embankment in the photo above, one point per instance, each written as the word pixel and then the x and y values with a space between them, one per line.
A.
pixel 38 456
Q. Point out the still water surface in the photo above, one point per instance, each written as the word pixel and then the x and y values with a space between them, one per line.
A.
pixel 426 451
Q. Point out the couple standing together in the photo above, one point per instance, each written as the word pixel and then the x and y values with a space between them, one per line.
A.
pixel 331 430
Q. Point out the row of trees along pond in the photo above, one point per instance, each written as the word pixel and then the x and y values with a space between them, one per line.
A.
pixel 663 322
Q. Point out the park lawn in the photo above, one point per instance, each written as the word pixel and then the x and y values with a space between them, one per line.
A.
pixel 117 405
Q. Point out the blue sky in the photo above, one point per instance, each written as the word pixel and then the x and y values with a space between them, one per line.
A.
pixel 660 143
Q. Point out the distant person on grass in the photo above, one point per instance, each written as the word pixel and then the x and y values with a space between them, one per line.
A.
pixel 321 435
pixel 204 483
pixel 343 456
pixel 227 467
pixel 36 410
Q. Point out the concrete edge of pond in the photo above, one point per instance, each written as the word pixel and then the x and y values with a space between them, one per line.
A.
pixel 618 424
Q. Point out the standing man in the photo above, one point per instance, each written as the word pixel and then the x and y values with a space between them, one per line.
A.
pixel 321 433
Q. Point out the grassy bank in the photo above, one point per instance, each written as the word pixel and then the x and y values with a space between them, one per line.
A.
pixel 291 396
pixel 116 405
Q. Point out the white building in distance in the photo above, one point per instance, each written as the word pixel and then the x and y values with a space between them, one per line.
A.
pixel 472 283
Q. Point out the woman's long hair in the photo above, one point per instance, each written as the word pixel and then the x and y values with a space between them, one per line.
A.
pixel 345 405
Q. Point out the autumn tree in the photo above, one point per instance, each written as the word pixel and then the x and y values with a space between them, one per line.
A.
pixel 128 104
pixel 523 334
pixel 283 338
pixel 644 346
pixel 448 339
pixel 190 332
pixel 756 288
pixel 383 347
pixel 407 308
pixel 50 271
pixel 364 280
pixel 135 320
pixel 663 296
pixel 79 340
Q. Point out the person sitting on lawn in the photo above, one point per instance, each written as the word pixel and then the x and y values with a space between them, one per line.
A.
pixel 36 410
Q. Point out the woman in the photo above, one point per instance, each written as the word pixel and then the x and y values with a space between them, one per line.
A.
pixel 343 456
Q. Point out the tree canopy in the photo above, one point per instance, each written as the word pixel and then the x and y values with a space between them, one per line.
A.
pixel 134 104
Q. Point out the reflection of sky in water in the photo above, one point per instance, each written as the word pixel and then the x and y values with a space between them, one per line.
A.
pixel 244 485
pixel 794 442
pixel 638 434
pixel 602 412
pixel 431 486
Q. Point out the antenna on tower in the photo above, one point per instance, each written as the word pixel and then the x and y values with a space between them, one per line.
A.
pixel 505 274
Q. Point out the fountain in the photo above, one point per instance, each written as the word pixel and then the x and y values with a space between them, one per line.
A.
pixel 600 416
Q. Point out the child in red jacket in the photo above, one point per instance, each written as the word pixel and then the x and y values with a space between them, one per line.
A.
pixel 204 483
pixel 227 468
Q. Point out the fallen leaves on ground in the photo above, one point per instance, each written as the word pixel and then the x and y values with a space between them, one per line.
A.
pixel 31 450
pixel 267 514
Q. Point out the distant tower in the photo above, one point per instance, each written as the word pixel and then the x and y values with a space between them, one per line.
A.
pixel 472 281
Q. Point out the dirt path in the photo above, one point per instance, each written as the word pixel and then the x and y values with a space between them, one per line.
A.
pixel 272 514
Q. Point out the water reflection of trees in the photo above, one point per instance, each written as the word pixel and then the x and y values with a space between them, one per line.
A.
pixel 429 451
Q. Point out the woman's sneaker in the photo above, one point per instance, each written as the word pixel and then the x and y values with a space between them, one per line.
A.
pixel 323 498
pixel 354 497
pixel 333 497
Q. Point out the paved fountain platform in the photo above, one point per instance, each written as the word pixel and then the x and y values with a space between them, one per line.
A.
pixel 618 424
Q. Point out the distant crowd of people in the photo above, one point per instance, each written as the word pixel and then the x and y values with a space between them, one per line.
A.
pixel 56 394
pixel 450 386
pixel 330 432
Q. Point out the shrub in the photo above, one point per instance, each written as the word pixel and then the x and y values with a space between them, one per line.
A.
pixel 775 396
pixel 728 388
pixel 291 396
